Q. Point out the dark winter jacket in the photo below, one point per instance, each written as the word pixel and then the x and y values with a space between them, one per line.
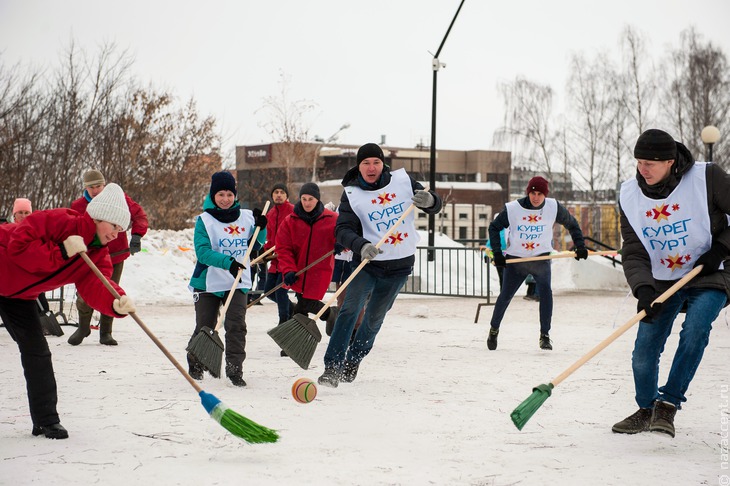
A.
pixel 302 238
pixel 275 217
pixel 636 262
pixel 349 229
pixel 119 248
pixel 31 261
pixel 563 218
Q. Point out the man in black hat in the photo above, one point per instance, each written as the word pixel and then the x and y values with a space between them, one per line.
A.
pixel 373 199
pixel 673 218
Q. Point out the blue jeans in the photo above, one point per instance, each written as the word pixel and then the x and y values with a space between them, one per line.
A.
pixel 382 292
pixel 703 307
pixel 281 296
pixel 514 275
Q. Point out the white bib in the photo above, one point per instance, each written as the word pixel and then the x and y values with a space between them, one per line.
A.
pixel 230 239
pixel 379 210
pixel 531 230
pixel 675 231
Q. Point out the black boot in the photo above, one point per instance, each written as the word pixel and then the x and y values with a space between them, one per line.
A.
pixel 330 377
pixel 545 342
pixel 53 431
pixel 105 334
pixel 663 418
pixel 492 339
pixel 235 374
pixel 349 372
pixel 82 332
pixel 634 423
pixel 195 368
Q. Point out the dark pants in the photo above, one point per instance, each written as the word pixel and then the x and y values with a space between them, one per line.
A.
pixel 24 325
pixel 514 275
pixel 309 306
pixel 207 308
pixel 85 310
pixel 281 296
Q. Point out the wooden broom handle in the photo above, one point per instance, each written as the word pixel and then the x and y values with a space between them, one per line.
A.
pixel 240 272
pixel 365 261
pixel 136 318
pixel 618 332
pixel 561 255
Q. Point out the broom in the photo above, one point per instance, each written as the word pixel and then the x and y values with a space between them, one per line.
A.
pixel 298 337
pixel 260 298
pixel 567 254
pixel 541 393
pixel 231 420
pixel 206 347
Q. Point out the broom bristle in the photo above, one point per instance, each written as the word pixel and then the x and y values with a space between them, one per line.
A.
pixel 298 338
pixel 207 348
pixel 527 409
pixel 236 423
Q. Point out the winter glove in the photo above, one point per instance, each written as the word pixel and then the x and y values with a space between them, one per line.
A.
pixel 260 218
pixel 499 260
pixel 339 248
pixel 71 246
pixel 290 278
pixel 423 199
pixel 123 305
pixel 712 259
pixel 135 244
pixel 646 295
pixel 581 253
pixel 235 268
pixel 369 251
pixel 330 205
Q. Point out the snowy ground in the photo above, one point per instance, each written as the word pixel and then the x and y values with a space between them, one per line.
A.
pixel 430 406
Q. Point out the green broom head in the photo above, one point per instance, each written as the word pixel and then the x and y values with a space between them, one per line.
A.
pixel 527 409
pixel 207 348
pixel 298 338
pixel 235 423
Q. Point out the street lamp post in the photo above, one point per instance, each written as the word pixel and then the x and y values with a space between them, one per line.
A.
pixel 710 136
pixel 322 142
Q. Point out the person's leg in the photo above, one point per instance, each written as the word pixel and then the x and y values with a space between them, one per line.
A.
pixel 281 296
pixel 381 300
pixel 235 325
pixel 23 323
pixel 84 329
pixel 648 347
pixel 703 307
pixel 513 277
pixel 105 322
pixel 206 315
pixel 542 273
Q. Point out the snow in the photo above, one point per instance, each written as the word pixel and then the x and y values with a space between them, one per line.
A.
pixel 430 405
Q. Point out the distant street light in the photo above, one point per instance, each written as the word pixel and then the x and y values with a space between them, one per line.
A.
pixel 710 136
pixel 322 143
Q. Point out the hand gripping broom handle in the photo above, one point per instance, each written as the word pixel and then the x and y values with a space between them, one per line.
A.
pixel 365 261
pixel 240 272
pixel 618 332
pixel 147 331
pixel 260 298
pixel 561 255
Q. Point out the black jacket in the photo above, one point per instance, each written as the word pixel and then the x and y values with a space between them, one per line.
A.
pixel 349 229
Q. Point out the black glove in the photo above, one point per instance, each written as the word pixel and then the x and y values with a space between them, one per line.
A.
pixel 290 278
pixel 712 259
pixel 646 295
pixel 339 248
pixel 260 218
pixel 235 267
pixel 486 259
pixel 135 244
pixel 499 260
pixel 581 253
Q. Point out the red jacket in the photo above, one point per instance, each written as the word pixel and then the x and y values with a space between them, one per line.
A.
pixel 119 248
pixel 275 217
pixel 31 260
pixel 298 244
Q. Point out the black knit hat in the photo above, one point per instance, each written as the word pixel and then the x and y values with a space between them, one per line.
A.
pixel 369 150
pixel 311 189
pixel 281 186
pixel 655 144
pixel 222 181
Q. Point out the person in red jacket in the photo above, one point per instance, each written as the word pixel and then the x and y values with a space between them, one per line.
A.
pixel 119 250
pixel 307 234
pixel 41 254
pixel 275 217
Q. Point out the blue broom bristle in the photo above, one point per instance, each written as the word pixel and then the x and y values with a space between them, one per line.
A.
pixel 236 423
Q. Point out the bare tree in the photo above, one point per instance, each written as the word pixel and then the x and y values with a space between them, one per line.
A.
pixel 638 86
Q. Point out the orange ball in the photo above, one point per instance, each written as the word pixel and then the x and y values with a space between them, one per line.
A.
pixel 304 390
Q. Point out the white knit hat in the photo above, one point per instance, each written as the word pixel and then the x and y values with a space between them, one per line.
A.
pixel 110 205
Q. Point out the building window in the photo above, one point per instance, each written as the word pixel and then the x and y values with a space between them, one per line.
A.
pixel 422 215
pixel 462 232
pixel 463 216
pixel 483 216
pixel 482 233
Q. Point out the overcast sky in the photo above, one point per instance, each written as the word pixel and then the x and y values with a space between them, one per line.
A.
pixel 366 63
